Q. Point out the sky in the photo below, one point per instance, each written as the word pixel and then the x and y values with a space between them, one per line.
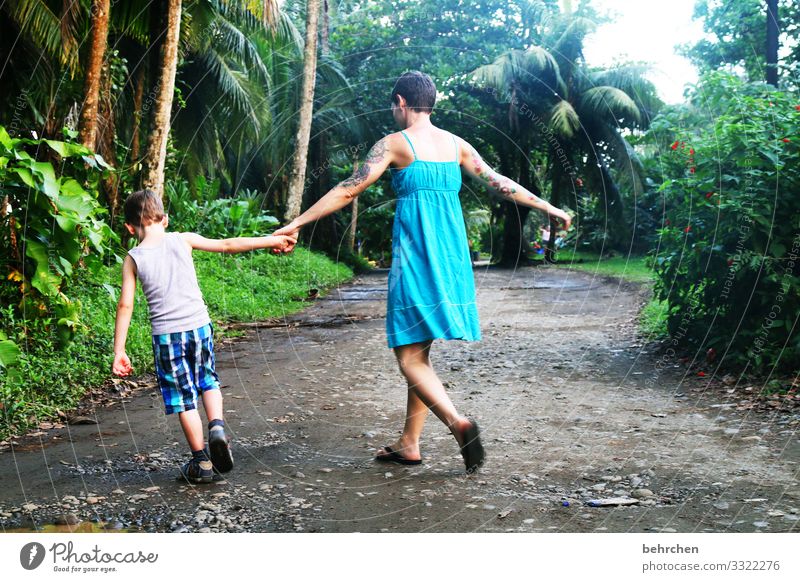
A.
pixel 648 30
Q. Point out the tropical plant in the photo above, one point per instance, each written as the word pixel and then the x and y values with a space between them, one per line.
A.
pixel 727 255
pixel 50 224
pixel 576 114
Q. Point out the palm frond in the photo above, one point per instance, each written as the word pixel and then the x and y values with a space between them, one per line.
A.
pixel 36 19
pixel 608 103
pixel 564 120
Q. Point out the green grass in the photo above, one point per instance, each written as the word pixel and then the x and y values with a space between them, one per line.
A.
pixel 51 376
pixel 629 268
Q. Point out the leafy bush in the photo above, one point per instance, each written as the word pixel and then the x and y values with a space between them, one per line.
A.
pixel 50 225
pixel 727 256
pixel 202 212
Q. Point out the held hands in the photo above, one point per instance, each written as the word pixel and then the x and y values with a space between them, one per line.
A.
pixel 122 365
pixel 282 244
pixel 289 232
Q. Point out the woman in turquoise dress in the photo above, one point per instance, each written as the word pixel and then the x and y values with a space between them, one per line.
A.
pixel 431 283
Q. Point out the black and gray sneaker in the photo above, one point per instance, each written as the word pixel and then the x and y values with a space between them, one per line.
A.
pixel 220 447
pixel 196 471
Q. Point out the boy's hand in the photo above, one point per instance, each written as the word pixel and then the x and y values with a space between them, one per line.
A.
pixel 122 365
pixel 283 244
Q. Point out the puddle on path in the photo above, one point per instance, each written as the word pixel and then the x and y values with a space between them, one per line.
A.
pixel 80 527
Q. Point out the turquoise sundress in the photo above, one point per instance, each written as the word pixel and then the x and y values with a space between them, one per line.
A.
pixel 431 285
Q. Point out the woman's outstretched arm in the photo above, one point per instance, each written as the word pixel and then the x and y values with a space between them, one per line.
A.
pixel 378 159
pixel 476 167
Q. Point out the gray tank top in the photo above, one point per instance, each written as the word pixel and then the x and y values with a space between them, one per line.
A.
pixel 169 282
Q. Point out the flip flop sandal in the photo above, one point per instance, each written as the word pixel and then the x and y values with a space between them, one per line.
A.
pixel 472 451
pixel 395 457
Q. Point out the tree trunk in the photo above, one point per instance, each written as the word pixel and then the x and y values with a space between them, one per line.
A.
pixel 555 200
pixel 514 246
pixel 87 126
pixel 106 145
pixel 295 195
pixel 138 98
pixel 612 203
pixel 326 25
pixel 351 234
pixel 772 42
pixel 157 144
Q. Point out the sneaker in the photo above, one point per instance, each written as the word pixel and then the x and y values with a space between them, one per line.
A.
pixel 198 471
pixel 220 448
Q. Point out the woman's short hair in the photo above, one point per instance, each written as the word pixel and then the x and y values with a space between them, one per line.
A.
pixel 143 208
pixel 417 89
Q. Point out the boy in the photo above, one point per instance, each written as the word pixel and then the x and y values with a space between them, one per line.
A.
pixel 182 335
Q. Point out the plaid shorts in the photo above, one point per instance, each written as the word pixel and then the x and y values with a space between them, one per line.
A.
pixel 185 367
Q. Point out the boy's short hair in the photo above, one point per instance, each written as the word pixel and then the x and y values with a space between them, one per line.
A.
pixel 143 208
pixel 418 90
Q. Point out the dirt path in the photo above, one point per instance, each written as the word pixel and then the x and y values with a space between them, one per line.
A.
pixel 586 412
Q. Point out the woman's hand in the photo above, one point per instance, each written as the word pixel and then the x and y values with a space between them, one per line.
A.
pixel 561 215
pixel 292 230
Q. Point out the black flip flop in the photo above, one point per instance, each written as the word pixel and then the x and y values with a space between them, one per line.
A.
pixel 472 451
pixel 395 457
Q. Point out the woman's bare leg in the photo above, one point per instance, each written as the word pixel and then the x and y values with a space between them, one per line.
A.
pixel 425 391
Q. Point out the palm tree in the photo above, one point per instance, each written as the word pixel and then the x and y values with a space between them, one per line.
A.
pixel 576 116
pixel 156 154
pixel 97 50
pixel 295 196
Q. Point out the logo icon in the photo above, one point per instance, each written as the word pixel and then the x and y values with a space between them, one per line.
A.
pixel 31 555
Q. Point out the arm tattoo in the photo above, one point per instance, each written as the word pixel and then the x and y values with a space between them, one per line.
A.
pixel 507 188
pixel 361 173
pixel 377 152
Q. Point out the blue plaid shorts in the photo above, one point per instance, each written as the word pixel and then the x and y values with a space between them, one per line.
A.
pixel 185 367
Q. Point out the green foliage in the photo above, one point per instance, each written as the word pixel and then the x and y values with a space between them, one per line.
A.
pixel 50 376
pixel 202 212
pixel 736 34
pixel 727 255
pixel 51 222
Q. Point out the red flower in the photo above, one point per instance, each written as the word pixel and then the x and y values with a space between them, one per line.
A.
pixel 674 146
pixel 691 151
pixel 797 107
pixel 786 140
pixel 691 170
pixel 709 195
pixel 730 262
pixel 579 182
pixel 701 374
pixel 687 229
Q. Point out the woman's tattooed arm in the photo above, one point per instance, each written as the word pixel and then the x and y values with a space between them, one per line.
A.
pixel 375 161
pixel 378 159
pixel 476 167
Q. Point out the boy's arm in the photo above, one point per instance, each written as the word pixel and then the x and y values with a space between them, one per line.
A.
pixel 122 364
pixel 507 188
pixel 364 175
pixel 281 244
